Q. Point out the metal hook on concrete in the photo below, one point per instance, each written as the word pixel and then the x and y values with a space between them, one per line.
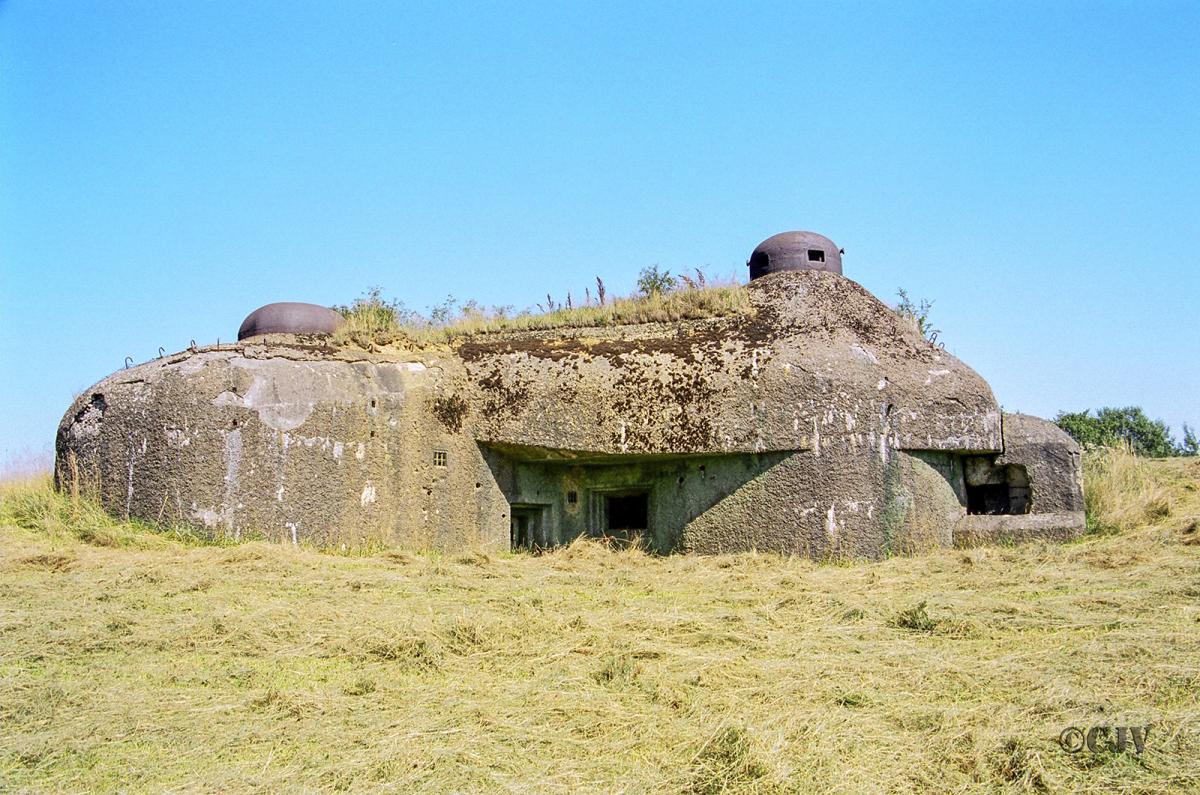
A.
pixel 128 362
pixel 160 351
pixel 192 347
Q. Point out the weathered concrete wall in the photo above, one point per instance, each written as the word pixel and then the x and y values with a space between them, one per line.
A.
pixel 1051 463
pixel 976 530
pixel 282 441
pixel 820 363
pixel 1052 459
pixel 793 503
pixel 854 506
pixel 820 425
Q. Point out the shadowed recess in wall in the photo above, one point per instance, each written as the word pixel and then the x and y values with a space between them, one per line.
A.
pixel 556 496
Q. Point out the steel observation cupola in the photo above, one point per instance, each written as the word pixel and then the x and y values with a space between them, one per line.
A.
pixel 795 251
pixel 289 317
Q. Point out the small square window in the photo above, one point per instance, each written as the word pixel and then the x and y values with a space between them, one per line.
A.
pixel 439 458
pixel 816 255
pixel 572 497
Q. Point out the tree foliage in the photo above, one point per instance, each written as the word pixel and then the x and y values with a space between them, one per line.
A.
pixel 1129 425
pixel 1190 444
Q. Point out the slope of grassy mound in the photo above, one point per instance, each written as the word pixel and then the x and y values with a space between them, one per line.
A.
pixel 372 321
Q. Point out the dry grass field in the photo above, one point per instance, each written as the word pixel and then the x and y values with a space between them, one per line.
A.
pixel 145 662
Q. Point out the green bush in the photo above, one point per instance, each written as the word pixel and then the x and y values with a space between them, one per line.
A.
pixel 651 282
pixel 1113 427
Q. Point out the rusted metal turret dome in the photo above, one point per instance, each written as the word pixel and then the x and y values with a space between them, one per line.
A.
pixel 289 317
pixel 795 251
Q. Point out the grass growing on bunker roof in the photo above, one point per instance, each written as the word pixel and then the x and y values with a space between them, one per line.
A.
pixel 163 665
pixel 373 320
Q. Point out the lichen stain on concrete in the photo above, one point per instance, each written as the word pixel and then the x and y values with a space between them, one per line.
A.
pixel 450 411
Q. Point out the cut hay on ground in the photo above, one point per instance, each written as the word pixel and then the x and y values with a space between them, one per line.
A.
pixel 134 661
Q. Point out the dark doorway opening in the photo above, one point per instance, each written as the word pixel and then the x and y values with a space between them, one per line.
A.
pixel 990 498
pixel 997 490
pixel 528 528
pixel 626 513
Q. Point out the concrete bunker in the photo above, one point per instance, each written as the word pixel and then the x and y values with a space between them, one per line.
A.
pixel 810 420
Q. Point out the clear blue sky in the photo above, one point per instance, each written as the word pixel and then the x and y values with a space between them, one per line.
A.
pixel 1032 167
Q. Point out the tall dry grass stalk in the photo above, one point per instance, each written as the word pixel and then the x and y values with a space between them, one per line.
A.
pixel 1123 491
pixel 72 512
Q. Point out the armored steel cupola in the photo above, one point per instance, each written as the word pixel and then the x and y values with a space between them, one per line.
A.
pixel 289 317
pixel 795 251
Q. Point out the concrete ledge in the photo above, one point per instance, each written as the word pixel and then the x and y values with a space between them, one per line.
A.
pixel 975 529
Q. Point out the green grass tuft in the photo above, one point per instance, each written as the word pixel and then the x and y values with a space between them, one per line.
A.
pixel 915 619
